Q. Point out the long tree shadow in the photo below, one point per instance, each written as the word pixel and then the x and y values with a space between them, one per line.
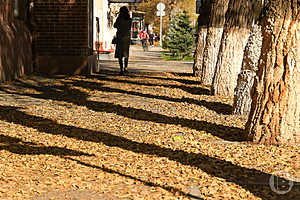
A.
pixel 221 131
pixel 192 90
pixel 17 146
pixel 148 183
pixel 183 81
pixel 257 182
pixel 65 93
pixel 218 107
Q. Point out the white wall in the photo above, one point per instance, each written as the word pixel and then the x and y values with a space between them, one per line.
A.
pixel 101 10
pixel 107 14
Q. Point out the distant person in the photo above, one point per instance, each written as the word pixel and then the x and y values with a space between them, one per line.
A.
pixel 143 35
pixel 123 26
pixel 151 38
pixel 156 37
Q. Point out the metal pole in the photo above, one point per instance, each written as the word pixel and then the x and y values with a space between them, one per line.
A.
pixel 160 34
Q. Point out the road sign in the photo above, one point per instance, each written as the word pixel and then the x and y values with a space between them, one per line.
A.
pixel 160 13
pixel 160 6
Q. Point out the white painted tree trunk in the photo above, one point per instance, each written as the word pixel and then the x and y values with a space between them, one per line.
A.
pixel 242 97
pixel 229 61
pixel 235 35
pixel 213 40
pixel 198 56
pixel 203 20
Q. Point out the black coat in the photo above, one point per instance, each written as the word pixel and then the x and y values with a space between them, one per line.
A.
pixel 123 37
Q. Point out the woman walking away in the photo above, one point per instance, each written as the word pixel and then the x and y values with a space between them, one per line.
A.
pixel 123 26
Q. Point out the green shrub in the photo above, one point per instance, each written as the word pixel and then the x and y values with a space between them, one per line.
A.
pixel 179 37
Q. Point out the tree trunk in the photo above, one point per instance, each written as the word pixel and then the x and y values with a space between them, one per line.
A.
pixel 198 56
pixel 252 51
pixel 203 20
pixel 213 40
pixel 275 111
pixel 242 96
pixel 236 31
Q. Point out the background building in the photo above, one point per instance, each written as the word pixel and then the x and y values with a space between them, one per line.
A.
pixel 62 36
pixel 70 31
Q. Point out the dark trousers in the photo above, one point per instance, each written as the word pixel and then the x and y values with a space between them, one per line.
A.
pixel 145 44
pixel 151 39
pixel 123 68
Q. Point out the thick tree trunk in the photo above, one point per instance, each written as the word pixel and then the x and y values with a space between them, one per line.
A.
pixel 213 40
pixel 198 56
pixel 242 96
pixel 203 20
pixel 275 111
pixel 236 32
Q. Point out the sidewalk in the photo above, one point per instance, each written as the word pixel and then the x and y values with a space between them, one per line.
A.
pixel 150 61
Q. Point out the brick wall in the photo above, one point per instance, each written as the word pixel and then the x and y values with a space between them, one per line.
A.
pixel 15 41
pixel 61 35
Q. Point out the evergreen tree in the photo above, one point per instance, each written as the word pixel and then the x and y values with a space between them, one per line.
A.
pixel 149 7
pixel 179 36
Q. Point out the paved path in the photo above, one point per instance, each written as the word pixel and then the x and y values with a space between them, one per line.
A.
pixel 150 61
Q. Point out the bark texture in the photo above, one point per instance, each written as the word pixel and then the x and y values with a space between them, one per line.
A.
pixel 203 20
pixel 15 41
pixel 275 110
pixel 198 56
pixel 242 97
pixel 253 49
pixel 235 35
pixel 15 51
pixel 213 40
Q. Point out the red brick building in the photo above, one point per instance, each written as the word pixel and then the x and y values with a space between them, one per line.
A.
pixel 15 39
pixel 62 40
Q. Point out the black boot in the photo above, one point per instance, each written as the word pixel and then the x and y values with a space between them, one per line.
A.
pixel 121 66
pixel 126 65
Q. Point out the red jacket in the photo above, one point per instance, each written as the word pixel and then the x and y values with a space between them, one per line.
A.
pixel 143 35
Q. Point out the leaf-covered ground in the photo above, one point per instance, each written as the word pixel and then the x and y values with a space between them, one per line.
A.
pixel 141 136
